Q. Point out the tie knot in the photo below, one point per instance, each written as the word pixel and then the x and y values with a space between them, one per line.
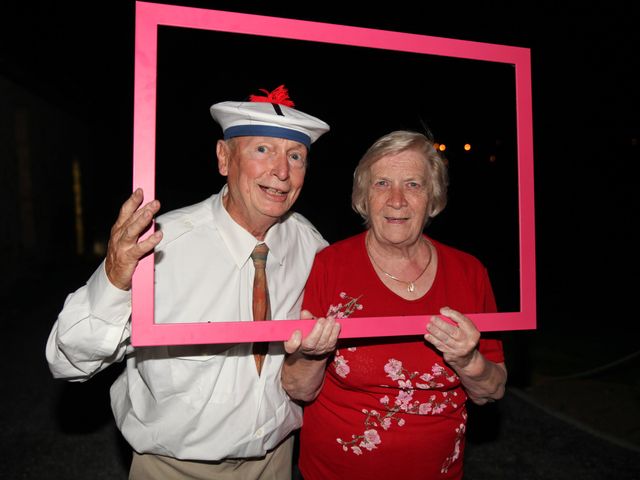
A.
pixel 259 255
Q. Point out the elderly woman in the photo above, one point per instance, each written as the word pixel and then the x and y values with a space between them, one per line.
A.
pixel 394 408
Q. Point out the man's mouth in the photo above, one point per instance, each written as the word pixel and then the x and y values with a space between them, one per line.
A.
pixel 273 191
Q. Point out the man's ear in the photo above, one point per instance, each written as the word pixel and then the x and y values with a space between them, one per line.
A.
pixel 223 153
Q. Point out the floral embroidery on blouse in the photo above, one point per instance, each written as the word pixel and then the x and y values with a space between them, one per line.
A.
pixel 407 383
pixel 456 448
pixel 344 310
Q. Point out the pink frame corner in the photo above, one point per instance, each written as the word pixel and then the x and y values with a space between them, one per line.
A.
pixel 145 332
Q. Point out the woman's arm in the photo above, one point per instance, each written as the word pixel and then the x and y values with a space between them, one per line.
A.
pixel 303 370
pixel 483 380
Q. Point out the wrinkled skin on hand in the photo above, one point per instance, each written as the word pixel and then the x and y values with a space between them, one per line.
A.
pixel 457 339
pixel 125 247
pixel 321 341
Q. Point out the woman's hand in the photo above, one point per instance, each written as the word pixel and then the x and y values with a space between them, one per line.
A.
pixel 303 370
pixel 457 339
pixel 322 339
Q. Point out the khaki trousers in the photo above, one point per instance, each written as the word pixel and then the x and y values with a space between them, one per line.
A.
pixel 275 465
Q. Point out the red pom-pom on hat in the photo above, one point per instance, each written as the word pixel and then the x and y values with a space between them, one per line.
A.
pixel 279 96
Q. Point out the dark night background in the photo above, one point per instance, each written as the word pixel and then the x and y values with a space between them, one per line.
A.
pixel 66 98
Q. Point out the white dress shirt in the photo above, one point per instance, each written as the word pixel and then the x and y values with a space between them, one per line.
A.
pixel 198 402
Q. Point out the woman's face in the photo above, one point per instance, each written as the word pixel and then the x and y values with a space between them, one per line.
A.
pixel 398 198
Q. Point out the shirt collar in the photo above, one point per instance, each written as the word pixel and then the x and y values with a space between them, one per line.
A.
pixel 241 243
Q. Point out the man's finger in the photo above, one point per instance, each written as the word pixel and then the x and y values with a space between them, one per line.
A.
pixel 129 207
pixel 148 244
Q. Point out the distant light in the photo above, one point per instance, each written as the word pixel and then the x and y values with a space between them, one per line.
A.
pixel 442 147
pixel 492 158
pixel 436 146
pixel 467 147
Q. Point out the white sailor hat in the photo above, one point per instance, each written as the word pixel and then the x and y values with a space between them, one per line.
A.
pixel 268 116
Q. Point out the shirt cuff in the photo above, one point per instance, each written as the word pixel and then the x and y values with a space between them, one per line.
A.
pixel 108 302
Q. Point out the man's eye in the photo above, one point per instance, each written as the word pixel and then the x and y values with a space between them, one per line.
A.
pixel 261 149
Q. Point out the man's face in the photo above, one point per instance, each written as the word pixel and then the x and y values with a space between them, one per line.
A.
pixel 264 175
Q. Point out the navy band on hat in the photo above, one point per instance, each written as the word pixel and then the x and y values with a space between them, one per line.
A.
pixel 267 131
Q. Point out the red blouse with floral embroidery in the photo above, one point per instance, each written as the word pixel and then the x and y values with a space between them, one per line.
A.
pixel 389 407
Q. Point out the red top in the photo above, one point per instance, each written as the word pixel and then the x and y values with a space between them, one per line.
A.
pixel 391 407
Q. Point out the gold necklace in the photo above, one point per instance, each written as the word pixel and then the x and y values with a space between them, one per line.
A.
pixel 410 285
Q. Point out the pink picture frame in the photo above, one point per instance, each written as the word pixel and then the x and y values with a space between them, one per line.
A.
pixel 149 16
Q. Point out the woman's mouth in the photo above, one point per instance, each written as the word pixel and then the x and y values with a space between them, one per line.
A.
pixel 396 219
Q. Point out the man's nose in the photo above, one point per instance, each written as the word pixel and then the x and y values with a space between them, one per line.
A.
pixel 280 167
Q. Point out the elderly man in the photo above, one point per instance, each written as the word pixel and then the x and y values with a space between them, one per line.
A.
pixel 208 411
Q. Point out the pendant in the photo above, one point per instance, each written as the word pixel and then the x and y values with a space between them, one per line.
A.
pixel 411 287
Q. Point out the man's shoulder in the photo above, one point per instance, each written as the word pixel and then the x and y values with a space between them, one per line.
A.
pixel 176 223
pixel 343 250
pixel 297 223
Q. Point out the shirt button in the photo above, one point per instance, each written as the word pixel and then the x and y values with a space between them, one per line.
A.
pixel 259 433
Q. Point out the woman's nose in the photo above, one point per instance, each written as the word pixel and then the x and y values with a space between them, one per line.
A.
pixel 396 197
